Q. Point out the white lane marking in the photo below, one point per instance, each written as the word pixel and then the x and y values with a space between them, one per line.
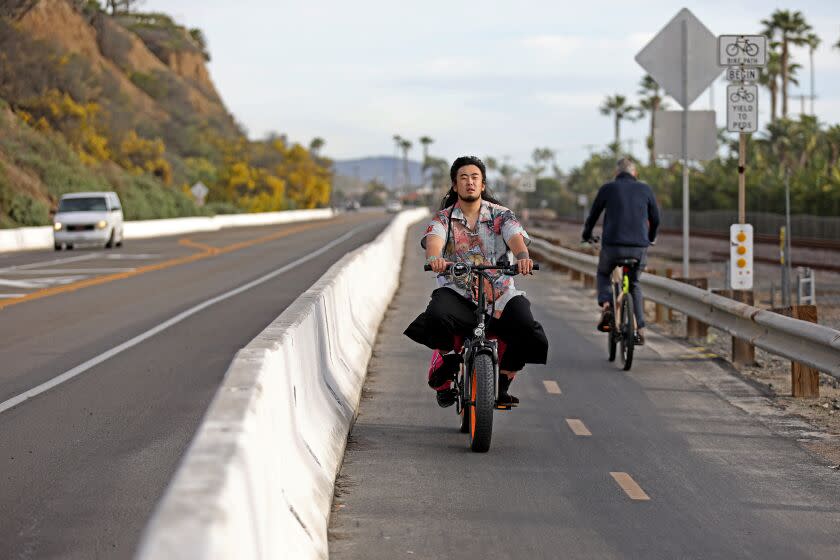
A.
pixel 630 487
pixel 18 284
pixel 34 283
pixel 67 271
pixel 577 426
pixel 81 368
pixel 128 257
pixel 9 296
pixel 552 387
pixel 47 263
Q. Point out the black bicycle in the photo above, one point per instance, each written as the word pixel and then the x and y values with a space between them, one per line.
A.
pixel 622 329
pixel 476 382
pixel 623 325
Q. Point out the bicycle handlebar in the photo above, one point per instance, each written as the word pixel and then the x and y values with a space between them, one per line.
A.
pixel 510 269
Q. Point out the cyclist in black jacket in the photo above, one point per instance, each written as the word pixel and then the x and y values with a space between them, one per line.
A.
pixel 631 219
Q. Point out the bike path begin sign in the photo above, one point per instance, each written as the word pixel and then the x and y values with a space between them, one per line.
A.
pixel 742 108
pixel 742 50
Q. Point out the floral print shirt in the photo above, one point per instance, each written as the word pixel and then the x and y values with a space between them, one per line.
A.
pixel 486 244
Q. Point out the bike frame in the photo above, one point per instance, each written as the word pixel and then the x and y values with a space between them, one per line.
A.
pixel 621 277
pixel 478 343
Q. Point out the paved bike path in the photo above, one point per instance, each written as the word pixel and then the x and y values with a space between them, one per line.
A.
pixel 720 483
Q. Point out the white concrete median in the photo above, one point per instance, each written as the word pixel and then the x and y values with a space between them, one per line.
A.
pixel 22 239
pixel 257 481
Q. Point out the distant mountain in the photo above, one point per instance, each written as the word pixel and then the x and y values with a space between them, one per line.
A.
pixel 386 169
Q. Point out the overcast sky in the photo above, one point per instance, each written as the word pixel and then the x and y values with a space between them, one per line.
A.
pixel 491 78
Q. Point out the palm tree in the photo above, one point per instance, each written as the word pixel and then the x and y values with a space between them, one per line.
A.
pixel 426 141
pixel 769 78
pixel 397 142
pixel 792 29
pixel 405 145
pixel 650 102
pixel 813 43
pixel 541 156
pixel 316 144
pixel 617 106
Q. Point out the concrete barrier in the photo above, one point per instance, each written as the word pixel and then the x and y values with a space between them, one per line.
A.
pixel 22 239
pixel 257 480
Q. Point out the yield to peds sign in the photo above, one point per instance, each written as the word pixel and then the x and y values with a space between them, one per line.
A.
pixel 741 108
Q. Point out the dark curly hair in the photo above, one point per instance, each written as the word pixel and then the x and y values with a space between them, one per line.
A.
pixel 451 197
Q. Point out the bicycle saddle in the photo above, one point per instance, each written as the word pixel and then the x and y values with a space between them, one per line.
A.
pixel 627 262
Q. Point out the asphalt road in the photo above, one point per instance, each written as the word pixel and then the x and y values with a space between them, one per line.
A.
pixel 84 462
pixel 675 459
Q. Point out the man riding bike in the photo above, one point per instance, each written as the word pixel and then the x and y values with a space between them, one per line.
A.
pixel 472 227
pixel 630 223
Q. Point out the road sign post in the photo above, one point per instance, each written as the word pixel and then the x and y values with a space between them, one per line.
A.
pixel 743 54
pixel 681 58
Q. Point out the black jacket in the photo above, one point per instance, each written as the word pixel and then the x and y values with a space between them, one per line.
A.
pixel 631 216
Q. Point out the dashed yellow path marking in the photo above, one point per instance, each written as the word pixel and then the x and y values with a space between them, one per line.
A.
pixel 633 490
pixel 207 251
pixel 552 387
pixel 578 427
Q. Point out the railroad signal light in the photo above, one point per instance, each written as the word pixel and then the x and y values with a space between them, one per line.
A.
pixel 741 256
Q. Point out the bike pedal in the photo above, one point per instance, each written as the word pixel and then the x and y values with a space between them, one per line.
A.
pixel 503 407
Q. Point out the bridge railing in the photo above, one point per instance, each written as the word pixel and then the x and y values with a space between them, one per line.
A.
pixel 809 343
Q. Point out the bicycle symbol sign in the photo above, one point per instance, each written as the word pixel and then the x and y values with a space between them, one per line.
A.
pixel 742 108
pixel 742 50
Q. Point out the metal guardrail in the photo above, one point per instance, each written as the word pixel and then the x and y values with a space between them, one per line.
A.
pixel 809 343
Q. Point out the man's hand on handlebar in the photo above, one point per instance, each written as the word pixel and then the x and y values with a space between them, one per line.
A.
pixel 524 265
pixel 437 264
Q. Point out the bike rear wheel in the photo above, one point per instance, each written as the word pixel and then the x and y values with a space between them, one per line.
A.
pixel 483 395
pixel 627 326
pixel 612 336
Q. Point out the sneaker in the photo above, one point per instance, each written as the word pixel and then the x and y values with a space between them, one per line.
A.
pixel 446 397
pixel 606 320
pixel 506 399
pixel 447 370
pixel 639 339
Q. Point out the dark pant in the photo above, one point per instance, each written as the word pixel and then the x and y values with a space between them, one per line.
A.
pixel 606 264
pixel 449 314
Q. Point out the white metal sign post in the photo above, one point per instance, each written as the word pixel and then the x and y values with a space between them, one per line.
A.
pixel 681 58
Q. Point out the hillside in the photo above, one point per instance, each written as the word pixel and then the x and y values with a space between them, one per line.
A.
pixel 125 101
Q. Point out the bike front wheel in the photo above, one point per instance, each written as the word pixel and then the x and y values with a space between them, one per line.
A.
pixel 483 396
pixel 628 332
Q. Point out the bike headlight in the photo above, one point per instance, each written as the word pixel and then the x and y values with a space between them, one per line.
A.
pixel 57 226
pixel 478 332
pixel 101 224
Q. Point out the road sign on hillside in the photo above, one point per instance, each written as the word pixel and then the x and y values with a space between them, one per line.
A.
pixel 663 58
pixel 742 50
pixel 741 108
pixel 527 183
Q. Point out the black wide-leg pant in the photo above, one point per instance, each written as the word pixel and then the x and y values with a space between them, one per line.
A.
pixel 449 314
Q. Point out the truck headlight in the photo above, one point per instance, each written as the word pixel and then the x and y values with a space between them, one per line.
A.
pixel 57 226
pixel 101 224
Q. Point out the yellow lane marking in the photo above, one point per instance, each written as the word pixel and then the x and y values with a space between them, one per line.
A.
pixel 578 427
pixel 206 253
pixel 629 486
pixel 552 387
pixel 201 246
